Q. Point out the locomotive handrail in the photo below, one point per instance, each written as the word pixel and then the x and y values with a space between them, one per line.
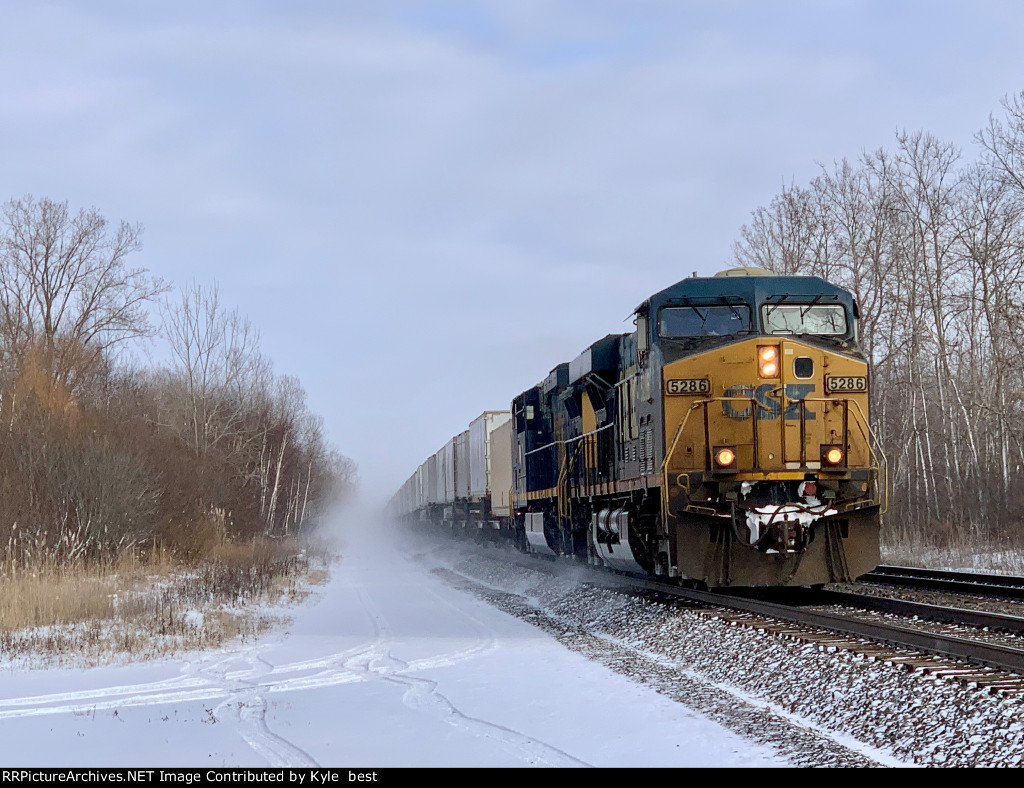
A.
pixel 877 459
pixel 666 510
pixel 570 440
pixel 671 451
pixel 884 468
pixel 874 448
pixel 884 504
pixel 702 403
pixel 563 501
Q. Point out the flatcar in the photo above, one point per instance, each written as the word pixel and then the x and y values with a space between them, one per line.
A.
pixel 724 442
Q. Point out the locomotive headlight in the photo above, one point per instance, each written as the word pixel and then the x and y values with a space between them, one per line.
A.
pixel 832 455
pixel 768 361
pixel 725 457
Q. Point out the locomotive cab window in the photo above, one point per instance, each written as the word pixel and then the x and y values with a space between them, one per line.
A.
pixel 695 320
pixel 803 367
pixel 820 319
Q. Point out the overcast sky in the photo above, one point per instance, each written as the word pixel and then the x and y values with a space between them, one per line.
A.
pixel 424 206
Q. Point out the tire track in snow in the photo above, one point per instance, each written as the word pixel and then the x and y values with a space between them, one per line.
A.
pixel 487 642
pixel 421 695
pixel 176 683
pixel 240 682
pixel 210 679
pixel 248 706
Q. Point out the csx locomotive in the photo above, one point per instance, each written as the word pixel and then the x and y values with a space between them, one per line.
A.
pixel 724 442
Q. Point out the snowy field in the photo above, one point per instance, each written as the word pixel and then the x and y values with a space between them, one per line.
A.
pixel 387 666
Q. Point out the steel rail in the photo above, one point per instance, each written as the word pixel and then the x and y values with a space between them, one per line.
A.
pixel 950 574
pixel 924 611
pixel 956 582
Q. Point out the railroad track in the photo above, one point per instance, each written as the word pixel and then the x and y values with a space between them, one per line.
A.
pixel 800 597
pixel 991 666
pixel 1006 586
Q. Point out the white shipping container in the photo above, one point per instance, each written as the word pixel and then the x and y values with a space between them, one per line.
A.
pixel 446 466
pixel 421 486
pixel 462 465
pixel 439 476
pixel 501 469
pixel 431 480
pixel 409 495
pixel 480 430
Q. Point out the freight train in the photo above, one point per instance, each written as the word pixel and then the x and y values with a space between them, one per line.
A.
pixel 724 442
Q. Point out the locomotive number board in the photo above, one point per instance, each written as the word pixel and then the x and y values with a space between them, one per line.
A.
pixel 688 386
pixel 835 384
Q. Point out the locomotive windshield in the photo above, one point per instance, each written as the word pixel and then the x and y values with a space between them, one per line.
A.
pixel 677 322
pixel 821 319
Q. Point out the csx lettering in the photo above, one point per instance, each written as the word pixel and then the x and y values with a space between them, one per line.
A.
pixel 769 406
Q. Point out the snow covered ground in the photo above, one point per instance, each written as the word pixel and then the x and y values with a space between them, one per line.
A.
pixel 388 666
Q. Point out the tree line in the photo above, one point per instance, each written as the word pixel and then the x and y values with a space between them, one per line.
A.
pixel 931 243
pixel 102 455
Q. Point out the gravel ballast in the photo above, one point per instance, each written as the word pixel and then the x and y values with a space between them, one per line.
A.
pixel 818 707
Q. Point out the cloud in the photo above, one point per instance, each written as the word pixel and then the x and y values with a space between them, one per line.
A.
pixel 424 206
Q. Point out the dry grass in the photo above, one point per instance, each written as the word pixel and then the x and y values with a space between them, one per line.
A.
pixel 956 552
pixel 134 609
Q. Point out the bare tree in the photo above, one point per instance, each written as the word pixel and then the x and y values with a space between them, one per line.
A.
pixel 65 285
pixel 221 399
pixel 785 237
pixel 933 249
pixel 217 367
pixel 98 458
pixel 1003 141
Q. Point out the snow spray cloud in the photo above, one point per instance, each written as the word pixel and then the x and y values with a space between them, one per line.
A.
pixel 355 527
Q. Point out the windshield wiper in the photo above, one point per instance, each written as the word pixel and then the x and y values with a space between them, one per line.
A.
pixel 703 318
pixel 771 309
pixel 814 301
pixel 735 311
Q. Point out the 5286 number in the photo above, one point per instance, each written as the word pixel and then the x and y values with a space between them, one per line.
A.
pixel 688 386
pixel 844 383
